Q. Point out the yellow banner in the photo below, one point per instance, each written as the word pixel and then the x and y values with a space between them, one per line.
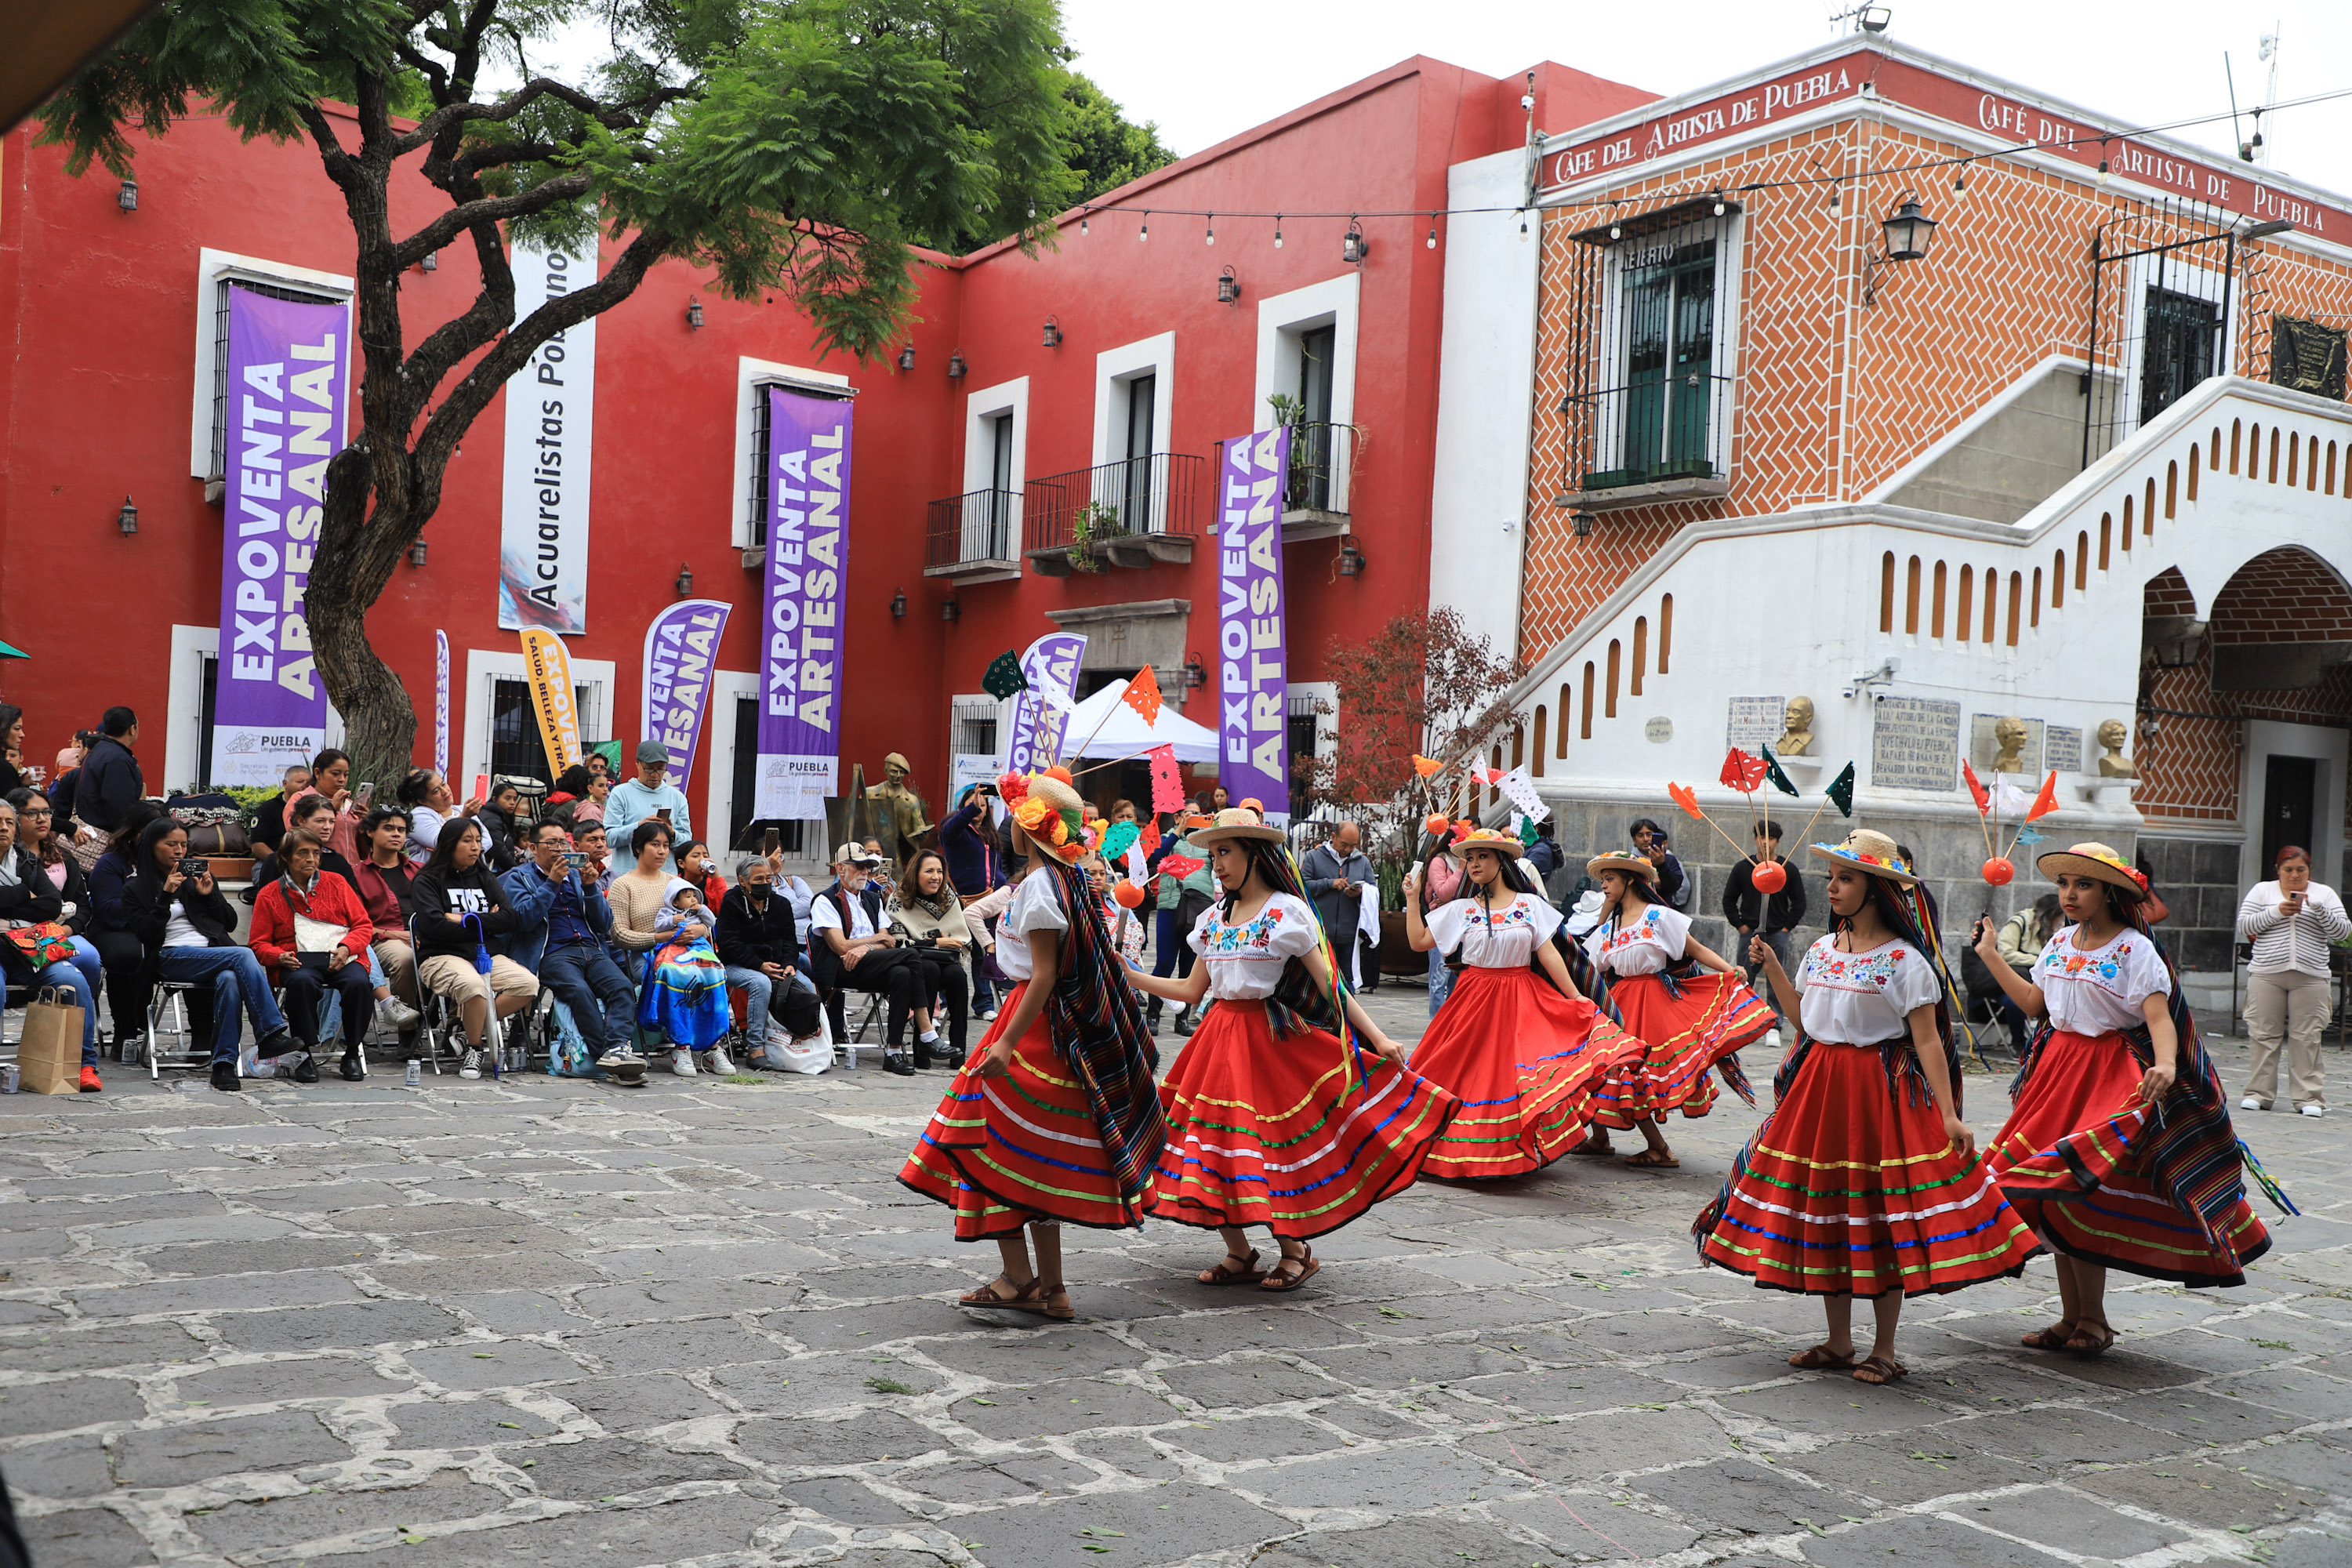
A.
pixel 547 664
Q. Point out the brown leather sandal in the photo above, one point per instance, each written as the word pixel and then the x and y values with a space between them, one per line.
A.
pixel 1821 1358
pixel 1595 1147
pixel 1038 1297
pixel 1878 1371
pixel 2053 1337
pixel 1280 1280
pixel 2097 1338
pixel 1249 1273
pixel 988 1294
pixel 1653 1160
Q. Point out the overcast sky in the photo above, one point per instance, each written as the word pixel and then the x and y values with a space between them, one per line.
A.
pixel 1206 72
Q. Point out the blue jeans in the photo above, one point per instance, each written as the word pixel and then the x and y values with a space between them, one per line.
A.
pixel 1441 980
pixel 1175 952
pixel 588 981
pixel 238 984
pixel 757 990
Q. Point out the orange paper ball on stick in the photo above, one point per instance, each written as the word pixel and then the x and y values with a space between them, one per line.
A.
pixel 1436 822
pixel 1129 894
pixel 1998 871
pixel 1769 876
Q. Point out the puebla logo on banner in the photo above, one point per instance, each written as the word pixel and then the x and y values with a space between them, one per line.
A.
pixel 550 435
pixel 288 389
pixel 800 664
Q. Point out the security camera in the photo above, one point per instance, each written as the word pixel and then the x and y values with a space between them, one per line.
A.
pixel 1847 694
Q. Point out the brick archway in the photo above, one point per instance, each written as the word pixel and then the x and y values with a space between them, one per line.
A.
pixel 2280 623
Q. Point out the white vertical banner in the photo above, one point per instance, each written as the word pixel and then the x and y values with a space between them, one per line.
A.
pixel 550 433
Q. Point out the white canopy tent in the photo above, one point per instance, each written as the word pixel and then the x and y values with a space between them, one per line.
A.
pixel 1118 731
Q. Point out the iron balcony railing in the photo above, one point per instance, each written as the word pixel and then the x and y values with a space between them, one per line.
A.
pixel 1320 456
pixel 974 530
pixel 1159 494
pixel 1674 426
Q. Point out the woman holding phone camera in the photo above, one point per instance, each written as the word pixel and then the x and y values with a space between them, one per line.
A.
pixel 2292 921
pixel 2117 1150
pixel 189 931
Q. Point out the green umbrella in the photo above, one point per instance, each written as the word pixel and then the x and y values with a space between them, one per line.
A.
pixel 7 652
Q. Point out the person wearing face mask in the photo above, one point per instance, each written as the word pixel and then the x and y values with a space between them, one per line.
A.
pixel 2117 1150
pixel 759 942
pixel 1516 1043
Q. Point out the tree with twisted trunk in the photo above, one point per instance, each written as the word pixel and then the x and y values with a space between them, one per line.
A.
pixel 793 147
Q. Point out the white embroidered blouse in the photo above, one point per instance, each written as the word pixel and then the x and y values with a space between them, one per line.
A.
pixel 1504 937
pixel 1246 960
pixel 1035 907
pixel 1862 998
pixel 2099 990
pixel 1660 937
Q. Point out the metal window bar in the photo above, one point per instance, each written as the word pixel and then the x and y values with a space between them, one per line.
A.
pixel 971 530
pixel 760 420
pixel 974 730
pixel 1646 399
pixel 1160 493
pixel 1321 458
pixel 2150 346
pixel 219 469
pixel 1302 726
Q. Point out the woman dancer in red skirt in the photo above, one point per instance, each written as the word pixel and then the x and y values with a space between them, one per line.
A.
pixel 1055 1117
pixel 1863 1181
pixel 1273 1119
pixel 1689 1023
pixel 2117 1150
pixel 1524 1058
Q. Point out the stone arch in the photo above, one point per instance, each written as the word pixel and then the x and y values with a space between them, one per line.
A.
pixel 2280 623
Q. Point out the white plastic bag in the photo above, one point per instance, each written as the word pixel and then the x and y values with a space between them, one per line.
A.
pixel 811 1056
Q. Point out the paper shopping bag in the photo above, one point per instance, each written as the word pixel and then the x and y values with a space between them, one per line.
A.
pixel 49 1055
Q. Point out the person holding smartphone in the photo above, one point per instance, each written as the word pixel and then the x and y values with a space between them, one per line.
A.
pixel 648 797
pixel 189 931
pixel 2292 921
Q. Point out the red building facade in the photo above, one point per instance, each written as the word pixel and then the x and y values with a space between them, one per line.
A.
pixel 980 463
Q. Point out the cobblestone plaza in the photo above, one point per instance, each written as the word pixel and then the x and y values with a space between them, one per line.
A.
pixel 537 1321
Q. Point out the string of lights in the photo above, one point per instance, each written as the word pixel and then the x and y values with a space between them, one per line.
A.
pixel 1835 181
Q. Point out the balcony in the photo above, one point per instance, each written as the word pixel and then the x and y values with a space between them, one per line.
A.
pixel 972 537
pixel 1315 494
pixel 1659 438
pixel 1135 512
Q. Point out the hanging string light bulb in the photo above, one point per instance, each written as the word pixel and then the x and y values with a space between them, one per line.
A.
pixel 1433 231
pixel 1082 222
pixel 1277 231
pixel 1145 232
pixel 1213 229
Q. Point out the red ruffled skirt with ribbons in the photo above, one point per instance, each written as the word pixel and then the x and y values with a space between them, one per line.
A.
pixel 1684 1038
pixel 1525 1062
pixel 1295 1132
pixel 1022 1149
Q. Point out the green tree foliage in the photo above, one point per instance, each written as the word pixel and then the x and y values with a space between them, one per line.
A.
pixel 1105 149
pixel 789 147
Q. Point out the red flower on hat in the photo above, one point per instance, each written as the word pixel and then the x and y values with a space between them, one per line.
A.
pixel 1013 788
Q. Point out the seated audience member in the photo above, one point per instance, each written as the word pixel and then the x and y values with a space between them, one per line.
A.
pixel 425 794
pixel 694 864
pixel 36 833
pixel 269 817
pixel 851 949
pixel 562 921
pixel 938 937
pixel 759 942
pixel 309 813
pixel 189 931
pixel 462 914
pixel 330 776
pixel 501 820
pixel 569 788
pixel 309 932
pixel 386 884
pixel 638 895
pixel 38 948
pixel 119 950
pixel 684 990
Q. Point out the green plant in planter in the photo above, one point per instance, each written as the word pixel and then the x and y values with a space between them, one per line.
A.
pixel 1095 520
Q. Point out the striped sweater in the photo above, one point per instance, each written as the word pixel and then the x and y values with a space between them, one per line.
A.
pixel 2300 942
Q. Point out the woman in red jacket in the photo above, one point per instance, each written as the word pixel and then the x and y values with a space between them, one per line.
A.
pixel 310 932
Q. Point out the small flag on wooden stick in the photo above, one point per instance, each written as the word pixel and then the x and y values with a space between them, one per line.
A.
pixel 1143 695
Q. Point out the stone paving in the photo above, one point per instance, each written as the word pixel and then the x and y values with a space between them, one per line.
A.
pixel 535 1321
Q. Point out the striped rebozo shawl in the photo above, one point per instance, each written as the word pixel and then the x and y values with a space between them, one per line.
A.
pixel 1100 1031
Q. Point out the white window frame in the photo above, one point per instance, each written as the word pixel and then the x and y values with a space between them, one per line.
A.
pixel 1115 369
pixel 484 666
pixel 753 376
pixel 975 701
pixel 184 701
pixel 1730 234
pixel 1283 321
pixel 212 267
pixel 981 409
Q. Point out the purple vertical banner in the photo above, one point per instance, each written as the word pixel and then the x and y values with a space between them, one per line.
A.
pixel 681 649
pixel 441 703
pixel 1252 684
pixel 1051 668
pixel 286 390
pixel 808 546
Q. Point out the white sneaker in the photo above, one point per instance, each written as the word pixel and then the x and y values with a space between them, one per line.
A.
pixel 397 1015
pixel 2313 1110
pixel 2250 1103
pixel 1772 1041
pixel 470 1064
pixel 719 1062
pixel 681 1062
